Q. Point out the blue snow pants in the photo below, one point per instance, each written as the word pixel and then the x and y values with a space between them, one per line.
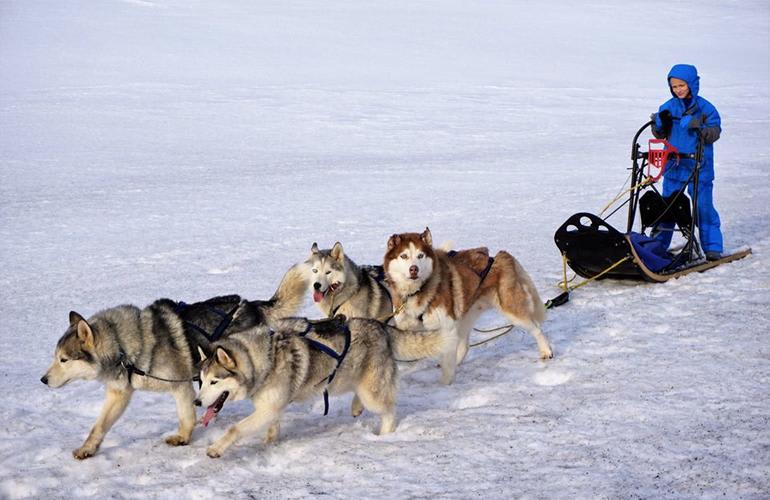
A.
pixel 708 218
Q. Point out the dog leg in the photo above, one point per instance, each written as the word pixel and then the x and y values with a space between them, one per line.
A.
pixel 462 346
pixel 186 412
pixel 388 423
pixel 534 329
pixel 115 403
pixel 465 326
pixel 356 408
pixel 249 426
pixel 386 411
pixel 527 319
pixel 448 362
pixel 542 342
pixel 377 393
pixel 272 432
pixel 449 355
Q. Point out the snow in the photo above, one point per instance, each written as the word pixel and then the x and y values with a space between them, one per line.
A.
pixel 187 149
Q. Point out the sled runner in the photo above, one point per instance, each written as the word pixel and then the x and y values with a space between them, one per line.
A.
pixel 596 250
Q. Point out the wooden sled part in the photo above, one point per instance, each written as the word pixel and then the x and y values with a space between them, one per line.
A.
pixel 660 278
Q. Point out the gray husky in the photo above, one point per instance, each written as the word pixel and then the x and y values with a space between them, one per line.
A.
pixel 341 286
pixel 299 359
pixel 156 348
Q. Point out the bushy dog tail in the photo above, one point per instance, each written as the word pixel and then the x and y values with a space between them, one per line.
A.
pixel 289 295
pixel 413 345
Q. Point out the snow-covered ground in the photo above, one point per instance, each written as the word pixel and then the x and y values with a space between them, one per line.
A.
pixel 188 149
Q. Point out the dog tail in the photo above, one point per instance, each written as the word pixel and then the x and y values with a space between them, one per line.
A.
pixel 289 295
pixel 411 345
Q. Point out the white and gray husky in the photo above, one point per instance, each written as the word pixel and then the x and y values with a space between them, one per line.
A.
pixel 340 286
pixel 298 359
pixel 156 348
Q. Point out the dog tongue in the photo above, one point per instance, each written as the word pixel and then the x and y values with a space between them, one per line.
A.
pixel 214 408
pixel 318 296
pixel 208 416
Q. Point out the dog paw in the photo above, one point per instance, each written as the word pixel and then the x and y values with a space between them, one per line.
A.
pixel 356 408
pixel 272 435
pixel 213 452
pixel 84 452
pixel 177 440
pixel 546 354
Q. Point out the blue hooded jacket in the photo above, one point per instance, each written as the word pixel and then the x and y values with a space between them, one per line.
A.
pixel 682 137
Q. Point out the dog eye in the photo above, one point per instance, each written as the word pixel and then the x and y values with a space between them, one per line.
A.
pixel 420 255
pixel 403 256
pixel 214 382
pixel 315 270
pixel 328 272
pixel 63 360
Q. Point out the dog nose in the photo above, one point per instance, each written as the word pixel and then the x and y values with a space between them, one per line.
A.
pixel 317 285
pixel 44 379
pixel 197 402
pixel 413 269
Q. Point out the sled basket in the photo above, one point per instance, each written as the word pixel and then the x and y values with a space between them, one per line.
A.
pixel 591 246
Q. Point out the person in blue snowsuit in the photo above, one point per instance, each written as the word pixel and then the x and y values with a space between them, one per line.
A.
pixel 680 120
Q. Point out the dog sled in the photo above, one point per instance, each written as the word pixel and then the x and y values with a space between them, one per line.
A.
pixel 594 249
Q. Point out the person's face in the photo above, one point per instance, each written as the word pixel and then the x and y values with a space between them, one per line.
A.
pixel 680 88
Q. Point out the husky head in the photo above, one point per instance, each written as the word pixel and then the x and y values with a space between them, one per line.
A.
pixel 327 268
pixel 409 260
pixel 222 380
pixel 74 355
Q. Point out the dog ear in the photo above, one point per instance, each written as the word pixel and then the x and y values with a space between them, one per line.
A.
pixel 426 237
pixel 202 354
pixel 393 241
pixel 314 248
pixel 85 334
pixel 337 253
pixel 75 318
pixel 224 359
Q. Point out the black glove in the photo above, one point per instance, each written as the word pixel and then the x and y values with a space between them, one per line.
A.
pixel 666 124
pixel 665 119
pixel 710 134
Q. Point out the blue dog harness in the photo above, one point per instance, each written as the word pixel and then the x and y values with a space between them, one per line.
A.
pixel 339 357
pixel 227 318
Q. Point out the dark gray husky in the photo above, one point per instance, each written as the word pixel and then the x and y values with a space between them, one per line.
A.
pixel 157 349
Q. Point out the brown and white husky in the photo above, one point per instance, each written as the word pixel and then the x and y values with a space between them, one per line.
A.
pixel 435 289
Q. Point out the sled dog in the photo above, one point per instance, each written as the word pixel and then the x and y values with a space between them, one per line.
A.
pixel 432 288
pixel 296 360
pixel 341 286
pixel 156 349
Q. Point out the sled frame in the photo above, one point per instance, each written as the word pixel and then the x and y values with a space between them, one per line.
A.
pixel 590 245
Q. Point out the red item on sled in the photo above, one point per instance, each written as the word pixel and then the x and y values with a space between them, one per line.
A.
pixel 657 156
